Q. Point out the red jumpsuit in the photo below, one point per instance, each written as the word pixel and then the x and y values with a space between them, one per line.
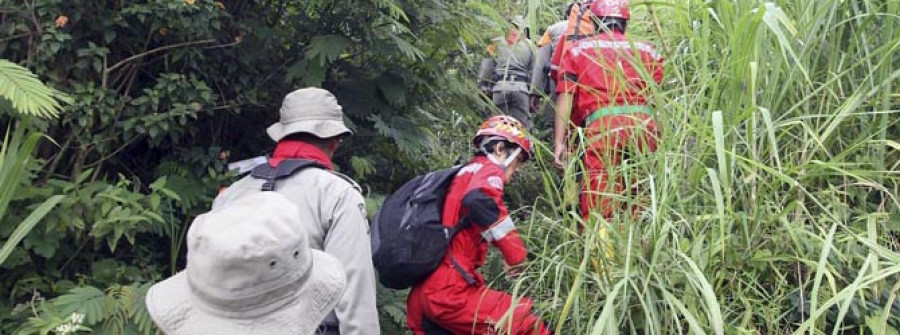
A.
pixel 455 296
pixel 609 95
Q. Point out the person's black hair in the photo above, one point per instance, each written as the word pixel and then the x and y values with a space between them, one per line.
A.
pixel 603 24
pixel 568 10
pixel 489 147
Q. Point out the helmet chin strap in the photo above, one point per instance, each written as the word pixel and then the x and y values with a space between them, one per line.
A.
pixel 512 157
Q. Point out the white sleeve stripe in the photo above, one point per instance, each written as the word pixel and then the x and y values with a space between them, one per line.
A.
pixel 499 230
pixel 619 45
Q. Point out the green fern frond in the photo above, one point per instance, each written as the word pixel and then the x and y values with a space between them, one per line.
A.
pixel 189 192
pixel 408 137
pixel 394 10
pixel 118 305
pixel 118 310
pixel 362 167
pixel 172 168
pixel 87 300
pixel 393 89
pixel 41 325
pixel 139 313
pixel 382 127
pixel 120 300
pixel 408 50
pixel 397 312
pixel 327 48
pixel 27 94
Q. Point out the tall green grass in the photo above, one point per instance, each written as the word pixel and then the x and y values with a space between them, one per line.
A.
pixel 771 204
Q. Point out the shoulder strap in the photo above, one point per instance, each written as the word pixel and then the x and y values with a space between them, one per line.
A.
pixel 450 233
pixel 577 33
pixel 462 223
pixel 284 169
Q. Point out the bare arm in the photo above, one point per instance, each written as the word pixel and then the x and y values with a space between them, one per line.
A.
pixel 561 128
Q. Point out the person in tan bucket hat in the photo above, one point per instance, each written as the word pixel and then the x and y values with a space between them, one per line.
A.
pixel 248 273
pixel 309 110
pixel 310 128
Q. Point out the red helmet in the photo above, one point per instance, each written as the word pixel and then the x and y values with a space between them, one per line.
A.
pixel 611 8
pixel 509 129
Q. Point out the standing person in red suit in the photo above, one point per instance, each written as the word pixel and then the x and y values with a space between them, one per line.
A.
pixel 602 90
pixel 455 299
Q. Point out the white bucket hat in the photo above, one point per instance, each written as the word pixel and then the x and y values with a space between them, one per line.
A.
pixel 309 110
pixel 249 271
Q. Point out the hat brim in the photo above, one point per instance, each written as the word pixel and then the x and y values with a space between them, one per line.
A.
pixel 319 128
pixel 172 306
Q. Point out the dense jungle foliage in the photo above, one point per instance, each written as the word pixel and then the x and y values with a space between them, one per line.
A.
pixel 771 206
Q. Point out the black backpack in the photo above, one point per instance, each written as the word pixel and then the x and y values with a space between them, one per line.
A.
pixel 408 237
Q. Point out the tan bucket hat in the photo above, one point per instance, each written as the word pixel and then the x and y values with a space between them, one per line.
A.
pixel 309 110
pixel 249 271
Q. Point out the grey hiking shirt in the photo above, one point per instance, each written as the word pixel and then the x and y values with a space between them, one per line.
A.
pixel 339 226
pixel 509 63
pixel 541 71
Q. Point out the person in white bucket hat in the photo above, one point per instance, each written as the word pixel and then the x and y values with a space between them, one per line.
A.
pixel 310 128
pixel 249 271
pixel 309 110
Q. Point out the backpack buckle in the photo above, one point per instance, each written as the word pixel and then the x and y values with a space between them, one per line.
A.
pixel 269 185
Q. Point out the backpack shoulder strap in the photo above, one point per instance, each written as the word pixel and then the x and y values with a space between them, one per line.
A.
pixel 577 33
pixel 284 169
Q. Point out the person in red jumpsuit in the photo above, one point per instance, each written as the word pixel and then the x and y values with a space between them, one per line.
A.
pixel 455 299
pixel 602 76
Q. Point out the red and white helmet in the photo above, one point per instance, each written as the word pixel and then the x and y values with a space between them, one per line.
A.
pixel 509 129
pixel 611 8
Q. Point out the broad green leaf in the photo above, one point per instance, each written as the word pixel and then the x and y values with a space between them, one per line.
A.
pixel 27 225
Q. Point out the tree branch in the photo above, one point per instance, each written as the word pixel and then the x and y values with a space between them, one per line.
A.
pixel 54 161
pixel 153 51
pixel 3 40
pixel 124 146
